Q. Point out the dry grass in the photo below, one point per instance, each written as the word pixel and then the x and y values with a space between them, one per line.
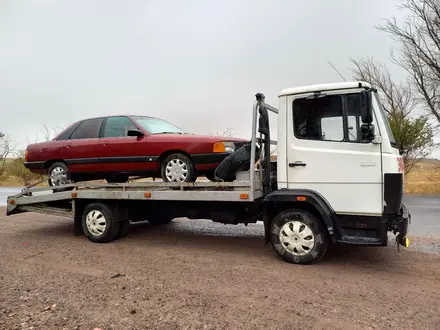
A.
pixel 424 178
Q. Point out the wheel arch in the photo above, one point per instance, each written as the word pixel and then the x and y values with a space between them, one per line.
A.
pixel 49 163
pixel 167 153
pixel 307 200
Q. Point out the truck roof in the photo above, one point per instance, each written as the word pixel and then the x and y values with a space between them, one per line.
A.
pixel 323 87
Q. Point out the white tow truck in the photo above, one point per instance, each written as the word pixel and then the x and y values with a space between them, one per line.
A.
pixel 338 178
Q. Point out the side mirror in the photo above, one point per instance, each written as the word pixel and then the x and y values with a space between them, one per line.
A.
pixel 133 131
pixel 366 109
pixel 368 132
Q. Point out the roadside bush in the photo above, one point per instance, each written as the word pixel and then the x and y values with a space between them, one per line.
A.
pixel 16 169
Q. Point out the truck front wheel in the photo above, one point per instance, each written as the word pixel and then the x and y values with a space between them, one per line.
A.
pixel 298 236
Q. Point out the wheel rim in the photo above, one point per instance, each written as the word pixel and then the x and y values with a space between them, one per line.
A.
pixel 58 176
pixel 297 238
pixel 176 171
pixel 96 222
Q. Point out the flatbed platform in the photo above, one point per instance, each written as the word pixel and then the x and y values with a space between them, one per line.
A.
pixel 198 191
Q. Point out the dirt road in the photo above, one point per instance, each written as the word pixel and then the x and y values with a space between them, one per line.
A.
pixel 183 276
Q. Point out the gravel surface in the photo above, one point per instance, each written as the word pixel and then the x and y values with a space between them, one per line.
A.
pixel 202 275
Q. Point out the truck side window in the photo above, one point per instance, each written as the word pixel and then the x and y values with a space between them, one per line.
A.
pixel 319 119
pixel 88 129
pixel 117 127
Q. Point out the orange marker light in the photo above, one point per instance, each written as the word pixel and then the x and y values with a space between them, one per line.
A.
pixel 244 196
pixel 301 198
pixel 219 147
pixel 147 195
pixel 74 194
pixel 11 202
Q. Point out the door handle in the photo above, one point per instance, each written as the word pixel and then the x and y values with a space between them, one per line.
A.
pixel 297 163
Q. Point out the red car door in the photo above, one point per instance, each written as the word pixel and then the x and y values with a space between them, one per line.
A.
pixel 80 150
pixel 122 153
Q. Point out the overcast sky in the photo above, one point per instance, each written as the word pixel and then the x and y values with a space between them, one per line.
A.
pixel 195 63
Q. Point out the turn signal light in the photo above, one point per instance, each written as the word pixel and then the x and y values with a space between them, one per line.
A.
pixel 11 202
pixel 74 194
pixel 147 195
pixel 219 147
pixel 244 196
pixel 301 198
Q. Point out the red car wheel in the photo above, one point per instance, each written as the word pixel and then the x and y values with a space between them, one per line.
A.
pixel 178 168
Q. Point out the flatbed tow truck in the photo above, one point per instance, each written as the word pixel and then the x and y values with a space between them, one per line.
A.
pixel 338 179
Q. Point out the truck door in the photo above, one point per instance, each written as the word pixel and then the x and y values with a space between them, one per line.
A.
pixel 326 154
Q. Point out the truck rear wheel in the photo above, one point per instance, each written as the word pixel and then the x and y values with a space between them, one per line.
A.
pixel 99 223
pixel 298 236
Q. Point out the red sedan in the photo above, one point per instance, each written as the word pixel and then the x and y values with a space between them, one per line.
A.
pixel 116 147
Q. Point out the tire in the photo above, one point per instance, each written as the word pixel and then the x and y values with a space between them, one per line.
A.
pixel 179 163
pixel 238 160
pixel 60 168
pixel 99 223
pixel 210 175
pixel 285 236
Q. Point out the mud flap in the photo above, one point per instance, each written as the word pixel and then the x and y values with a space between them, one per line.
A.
pixel 77 217
pixel 267 222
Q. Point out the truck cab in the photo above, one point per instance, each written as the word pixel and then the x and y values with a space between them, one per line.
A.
pixel 336 150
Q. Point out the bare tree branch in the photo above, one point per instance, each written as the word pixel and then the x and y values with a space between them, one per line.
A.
pixel 419 54
pixel 229 131
pixel 5 150
pixel 413 133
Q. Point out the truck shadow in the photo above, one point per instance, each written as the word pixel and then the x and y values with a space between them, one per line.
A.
pixel 207 237
pixel 199 234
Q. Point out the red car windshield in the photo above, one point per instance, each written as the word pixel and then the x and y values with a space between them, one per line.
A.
pixel 157 126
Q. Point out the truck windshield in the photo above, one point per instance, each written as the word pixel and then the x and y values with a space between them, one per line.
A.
pixel 157 126
pixel 378 106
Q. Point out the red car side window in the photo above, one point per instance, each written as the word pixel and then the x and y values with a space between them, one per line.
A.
pixel 116 127
pixel 88 129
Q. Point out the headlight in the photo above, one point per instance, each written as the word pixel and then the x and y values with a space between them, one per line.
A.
pixel 224 147
pixel 229 146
